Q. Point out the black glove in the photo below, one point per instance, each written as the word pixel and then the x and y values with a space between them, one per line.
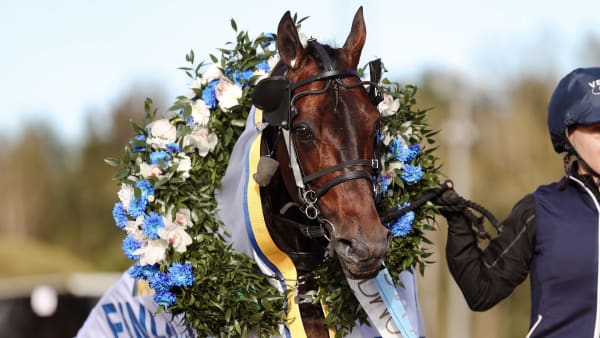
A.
pixel 450 202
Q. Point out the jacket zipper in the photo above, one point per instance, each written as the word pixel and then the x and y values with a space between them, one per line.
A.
pixel 597 317
pixel 534 326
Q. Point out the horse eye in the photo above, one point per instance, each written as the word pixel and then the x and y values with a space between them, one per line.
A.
pixel 303 132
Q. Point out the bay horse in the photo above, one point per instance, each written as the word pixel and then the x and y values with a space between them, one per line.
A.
pixel 321 130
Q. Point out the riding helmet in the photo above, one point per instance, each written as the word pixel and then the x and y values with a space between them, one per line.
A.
pixel 576 100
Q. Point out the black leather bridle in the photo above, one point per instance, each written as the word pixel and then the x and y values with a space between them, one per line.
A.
pixel 276 96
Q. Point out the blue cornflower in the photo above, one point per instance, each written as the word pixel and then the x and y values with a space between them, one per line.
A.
pixel 137 207
pixel 181 274
pixel 411 174
pixel 241 78
pixel 139 143
pixel 143 271
pixel 164 299
pixel 160 157
pixel 151 224
pixel 174 147
pixel 384 182
pixel 409 154
pixel 403 225
pixel 160 282
pixel 119 215
pixel 263 65
pixel 208 94
pixel 146 189
pixel 129 245
pixel 396 147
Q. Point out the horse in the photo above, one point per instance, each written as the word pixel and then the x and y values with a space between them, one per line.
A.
pixel 321 131
pixel 311 147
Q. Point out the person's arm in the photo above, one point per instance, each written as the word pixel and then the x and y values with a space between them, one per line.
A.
pixel 487 276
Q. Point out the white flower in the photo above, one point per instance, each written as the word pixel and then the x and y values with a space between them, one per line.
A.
pixel 175 235
pixel 184 164
pixel 150 170
pixel 389 106
pixel 183 217
pixel 125 194
pixel 134 228
pixel 201 139
pixel 393 166
pixel 212 73
pixel 153 252
pixel 228 94
pixel 162 132
pixel 200 113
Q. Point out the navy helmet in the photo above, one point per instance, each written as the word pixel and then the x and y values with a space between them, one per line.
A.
pixel 576 100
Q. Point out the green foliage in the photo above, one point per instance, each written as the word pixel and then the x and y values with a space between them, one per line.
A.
pixel 229 295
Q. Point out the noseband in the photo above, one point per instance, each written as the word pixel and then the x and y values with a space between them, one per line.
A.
pixel 277 97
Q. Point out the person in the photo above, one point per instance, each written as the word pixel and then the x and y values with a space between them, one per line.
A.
pixel 552 234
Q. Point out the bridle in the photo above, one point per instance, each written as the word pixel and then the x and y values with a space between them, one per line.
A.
pixel 277 96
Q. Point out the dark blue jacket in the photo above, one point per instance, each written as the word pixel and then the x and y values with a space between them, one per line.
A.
pixel 552 235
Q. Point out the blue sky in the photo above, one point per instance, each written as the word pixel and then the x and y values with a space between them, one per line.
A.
pixel 62 60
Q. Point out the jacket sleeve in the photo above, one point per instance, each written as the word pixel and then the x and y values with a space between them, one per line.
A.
pixel 487 276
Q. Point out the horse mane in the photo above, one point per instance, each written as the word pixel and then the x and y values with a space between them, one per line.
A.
pixel 281 68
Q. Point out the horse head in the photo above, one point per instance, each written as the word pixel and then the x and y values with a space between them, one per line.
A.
pixel 328 140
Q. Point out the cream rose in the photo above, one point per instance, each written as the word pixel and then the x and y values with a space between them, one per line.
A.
pixel 389 106
pixel 201 139
pixel 200 113
pixel 213 72
pixel 228 94
pixel 162 132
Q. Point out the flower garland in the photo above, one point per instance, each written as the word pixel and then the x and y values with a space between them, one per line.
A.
pixel 168 174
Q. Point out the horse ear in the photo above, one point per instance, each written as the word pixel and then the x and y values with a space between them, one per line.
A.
pixel 288 42
pixel 356 39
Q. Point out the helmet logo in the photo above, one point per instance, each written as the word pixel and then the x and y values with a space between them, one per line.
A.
pixel 595 85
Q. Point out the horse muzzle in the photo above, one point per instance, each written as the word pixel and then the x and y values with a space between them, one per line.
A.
pixel 361 259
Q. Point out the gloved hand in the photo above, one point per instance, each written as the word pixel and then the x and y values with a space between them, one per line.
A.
pixel 450 202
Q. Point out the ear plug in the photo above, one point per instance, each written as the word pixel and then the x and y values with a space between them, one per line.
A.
pixel 265 171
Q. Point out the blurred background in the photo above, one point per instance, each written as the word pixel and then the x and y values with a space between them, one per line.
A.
pixel 73 73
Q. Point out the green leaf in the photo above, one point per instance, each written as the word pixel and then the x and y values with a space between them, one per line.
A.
pixel 113 162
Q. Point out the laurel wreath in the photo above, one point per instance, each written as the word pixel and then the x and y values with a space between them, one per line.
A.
pixel 167 207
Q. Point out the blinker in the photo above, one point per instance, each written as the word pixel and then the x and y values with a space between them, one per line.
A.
pixel 273 96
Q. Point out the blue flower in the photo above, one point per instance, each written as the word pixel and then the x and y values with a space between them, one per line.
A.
pixel 396 147
pixel 137 207
pixel 384 182
pixel 410 153
pixel 164 299
pixel 181 274
pixel 403 225
pixel 174 147
pixel 129 245
pixel 151 224
pixel 160 157
pixel 241 78
pixel 160 282
pixel 263 65
pixel 119 215
pixel 208 94
pixel 411 174
pixel 144 272
pixel 139 143
pixel 146 189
